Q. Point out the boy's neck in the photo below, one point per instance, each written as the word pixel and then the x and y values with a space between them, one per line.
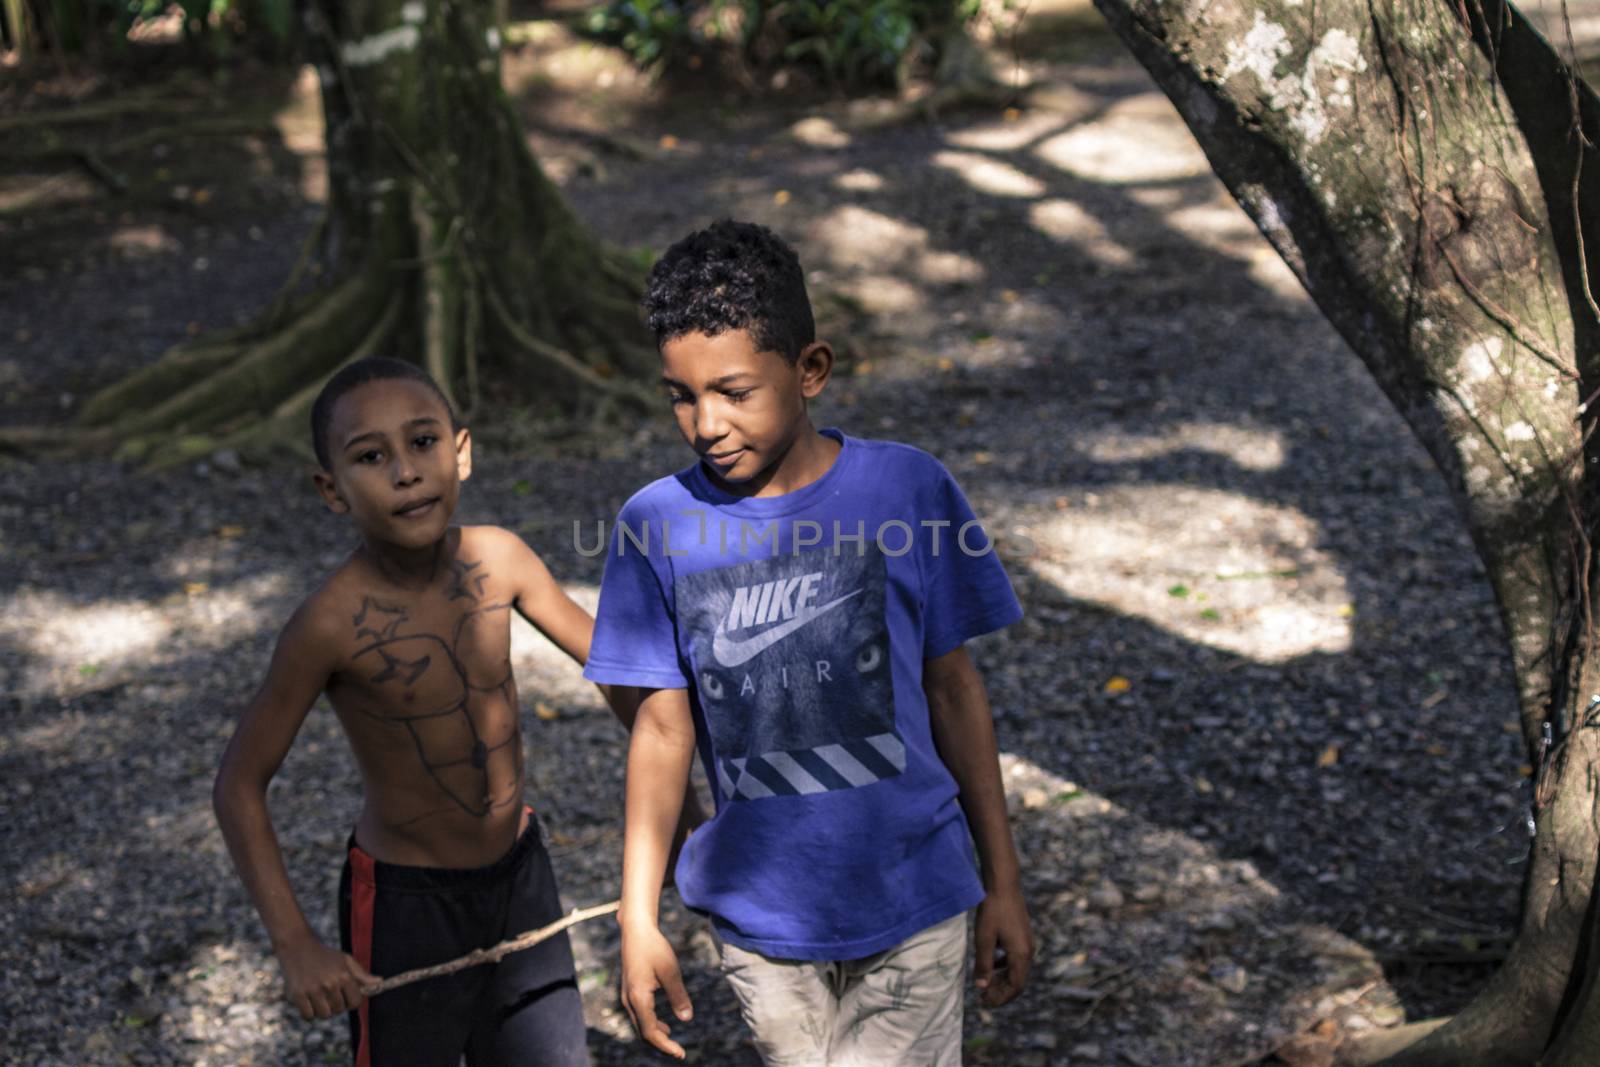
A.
pixel 807 459
pixel 410 568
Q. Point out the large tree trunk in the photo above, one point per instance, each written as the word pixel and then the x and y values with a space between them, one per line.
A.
pixel 1415 165
pixel 445 242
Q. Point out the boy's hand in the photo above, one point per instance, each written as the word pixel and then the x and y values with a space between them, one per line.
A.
pixel 648 964
pixel 1004 936
pixel 322 982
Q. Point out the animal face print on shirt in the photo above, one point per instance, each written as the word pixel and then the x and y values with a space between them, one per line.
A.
pixel 791 668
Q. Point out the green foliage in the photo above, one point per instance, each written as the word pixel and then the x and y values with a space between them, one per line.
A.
pixel 653 32
pixel 854 42
pixel 849 43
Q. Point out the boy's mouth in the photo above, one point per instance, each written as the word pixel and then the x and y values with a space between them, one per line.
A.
pixel 724 459
pixel 416 508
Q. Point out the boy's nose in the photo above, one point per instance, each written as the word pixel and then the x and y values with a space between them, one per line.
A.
pixel 709 424
pixel 404 473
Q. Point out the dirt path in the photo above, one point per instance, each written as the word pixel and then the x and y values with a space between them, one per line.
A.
pixel 1255 723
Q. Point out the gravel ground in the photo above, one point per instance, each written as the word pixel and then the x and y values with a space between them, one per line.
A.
pixel 1255 723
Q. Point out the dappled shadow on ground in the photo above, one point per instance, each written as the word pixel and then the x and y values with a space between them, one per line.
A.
pixel 1253 719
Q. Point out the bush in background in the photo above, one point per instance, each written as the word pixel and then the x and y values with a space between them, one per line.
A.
pixel 849 44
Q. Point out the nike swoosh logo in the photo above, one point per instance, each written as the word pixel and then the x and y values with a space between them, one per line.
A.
pixel 731 653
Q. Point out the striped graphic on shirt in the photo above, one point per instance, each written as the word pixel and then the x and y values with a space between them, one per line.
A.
pixel 801 771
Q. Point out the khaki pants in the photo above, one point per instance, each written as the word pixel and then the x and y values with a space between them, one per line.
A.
pixel 899 1007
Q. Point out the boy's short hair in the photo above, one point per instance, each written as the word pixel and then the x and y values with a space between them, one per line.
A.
pixel 731 276
pixel 371 369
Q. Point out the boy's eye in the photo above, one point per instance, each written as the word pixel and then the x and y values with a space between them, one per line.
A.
pixel 369 456
pixel 678 398
pixel 425 441
pixel 738 396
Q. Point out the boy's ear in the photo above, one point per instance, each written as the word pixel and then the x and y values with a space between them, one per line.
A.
pixel 463 453
pixel 329 492
pixel 816 366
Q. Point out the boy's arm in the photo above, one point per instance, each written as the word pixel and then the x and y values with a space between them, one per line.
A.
pixel 659 753
pixel 963 730
pixel 318 980
pixel 624 701
pixel 539 598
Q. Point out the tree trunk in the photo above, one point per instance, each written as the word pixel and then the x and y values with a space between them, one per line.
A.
pixel 446 244
pixel 1413 167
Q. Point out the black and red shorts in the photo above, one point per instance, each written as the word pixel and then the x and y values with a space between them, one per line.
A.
pixel 523 1010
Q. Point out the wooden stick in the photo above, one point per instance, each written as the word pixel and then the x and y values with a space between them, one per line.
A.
pixel 493 955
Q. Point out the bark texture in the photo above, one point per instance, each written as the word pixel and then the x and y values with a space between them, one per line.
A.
pixel 1418 166
pixel 444 243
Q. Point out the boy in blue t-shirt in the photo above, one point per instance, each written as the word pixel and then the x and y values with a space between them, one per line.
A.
pixel 796 604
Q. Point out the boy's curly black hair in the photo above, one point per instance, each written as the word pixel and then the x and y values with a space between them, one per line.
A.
pixel 732 276
pixel 371 369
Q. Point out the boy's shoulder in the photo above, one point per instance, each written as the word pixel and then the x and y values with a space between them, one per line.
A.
pixel 323 618
pixel 897 453
pixel 490 542
pixel 327 611
pixel 352 599
pixel 664 494
pixel 897 465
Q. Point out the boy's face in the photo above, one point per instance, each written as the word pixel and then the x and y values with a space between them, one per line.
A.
pixel 740 408
pixel 396 465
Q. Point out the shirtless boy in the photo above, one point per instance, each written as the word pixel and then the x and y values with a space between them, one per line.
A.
pixel 410 640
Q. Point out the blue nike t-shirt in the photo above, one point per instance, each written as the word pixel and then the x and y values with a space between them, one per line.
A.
pixel 799 625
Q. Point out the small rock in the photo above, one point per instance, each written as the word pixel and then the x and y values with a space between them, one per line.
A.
pixel 1106 898
pixel 1229 976
pixel 1386 1015
pixel 1034 799
pixel 1216 923
pixel 226 459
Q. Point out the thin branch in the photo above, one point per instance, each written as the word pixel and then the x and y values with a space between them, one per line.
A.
pixel 496 953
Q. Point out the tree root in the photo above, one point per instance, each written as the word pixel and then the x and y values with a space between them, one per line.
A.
pixel 629 393
pixel 618 144
pixel 285 429
pixel 254 383
pixel 52 440
pixel 181 366
pixel 450 247
pixel 98 111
